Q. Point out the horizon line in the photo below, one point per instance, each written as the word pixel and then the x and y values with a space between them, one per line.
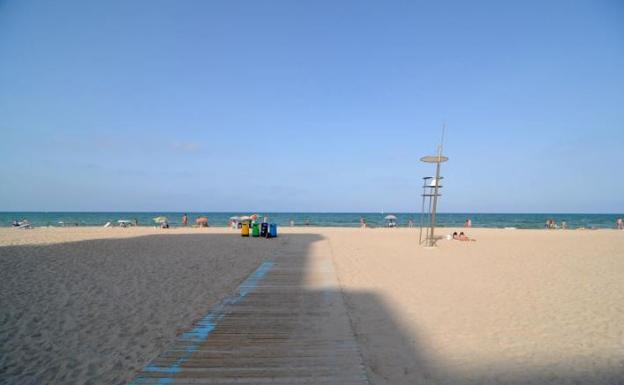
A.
pixel 301 212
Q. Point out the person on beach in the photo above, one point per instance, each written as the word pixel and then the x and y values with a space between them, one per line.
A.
pixel 564 225
pixel 292 223
pixel 468 223
pixel 463 237
pixel 410 223
pixel 619 224
pixel 362 222
pixel 184 220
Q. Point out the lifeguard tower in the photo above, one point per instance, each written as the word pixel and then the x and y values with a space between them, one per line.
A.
pixel 431 192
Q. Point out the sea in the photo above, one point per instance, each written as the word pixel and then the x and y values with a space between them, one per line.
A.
pixel 220 219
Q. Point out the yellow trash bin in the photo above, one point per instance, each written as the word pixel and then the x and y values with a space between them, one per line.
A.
pixel 245 229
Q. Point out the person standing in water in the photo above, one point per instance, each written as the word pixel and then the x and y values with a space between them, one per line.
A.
pixel 184 220
pixel 619 224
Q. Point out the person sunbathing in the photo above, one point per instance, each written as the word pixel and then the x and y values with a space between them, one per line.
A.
pixel 463 237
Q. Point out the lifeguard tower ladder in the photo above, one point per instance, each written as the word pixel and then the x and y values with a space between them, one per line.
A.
pixel 431 192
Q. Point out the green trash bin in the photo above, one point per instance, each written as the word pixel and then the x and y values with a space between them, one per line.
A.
pixel 255 230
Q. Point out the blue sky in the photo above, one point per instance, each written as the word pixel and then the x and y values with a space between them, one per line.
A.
pixel 311 106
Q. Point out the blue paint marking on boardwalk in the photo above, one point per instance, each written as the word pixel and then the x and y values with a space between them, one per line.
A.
pixel 203 328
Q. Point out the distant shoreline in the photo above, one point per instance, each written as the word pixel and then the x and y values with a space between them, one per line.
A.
pixel 302 219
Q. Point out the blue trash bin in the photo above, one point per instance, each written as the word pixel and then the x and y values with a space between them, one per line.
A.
pixel 273 230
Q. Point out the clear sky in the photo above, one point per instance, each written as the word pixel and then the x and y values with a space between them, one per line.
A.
pixel 311 105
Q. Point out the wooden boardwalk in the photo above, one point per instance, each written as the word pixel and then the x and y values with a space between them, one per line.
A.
pixel 286 324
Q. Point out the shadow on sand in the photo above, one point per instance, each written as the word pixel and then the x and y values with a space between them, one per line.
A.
pixel 97 311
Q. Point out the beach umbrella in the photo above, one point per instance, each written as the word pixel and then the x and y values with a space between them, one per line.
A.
pixel 201 220
pixel 390 217
pixel 160 219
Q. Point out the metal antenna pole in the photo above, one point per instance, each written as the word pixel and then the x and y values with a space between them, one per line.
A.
pixel 435 189
pixel 422 214
pixel 435 203
pixel 433 195
pixel 442 139
pixel 437 183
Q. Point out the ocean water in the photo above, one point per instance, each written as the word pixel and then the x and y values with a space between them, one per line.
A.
pixel 220 219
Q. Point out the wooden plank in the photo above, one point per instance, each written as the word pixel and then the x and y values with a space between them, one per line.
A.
pixel 285 324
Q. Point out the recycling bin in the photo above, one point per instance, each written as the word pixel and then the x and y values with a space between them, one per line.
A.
pixel 245 230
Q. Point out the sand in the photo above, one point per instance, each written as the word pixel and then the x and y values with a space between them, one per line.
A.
pixel 93 305
pixel 94 311
pixel 517 306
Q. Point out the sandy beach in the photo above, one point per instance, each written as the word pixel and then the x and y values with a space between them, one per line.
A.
pixel 136 136
pixel 95 305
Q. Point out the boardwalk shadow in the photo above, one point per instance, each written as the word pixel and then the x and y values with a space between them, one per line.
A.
pixel 393 354
pixel 97 311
